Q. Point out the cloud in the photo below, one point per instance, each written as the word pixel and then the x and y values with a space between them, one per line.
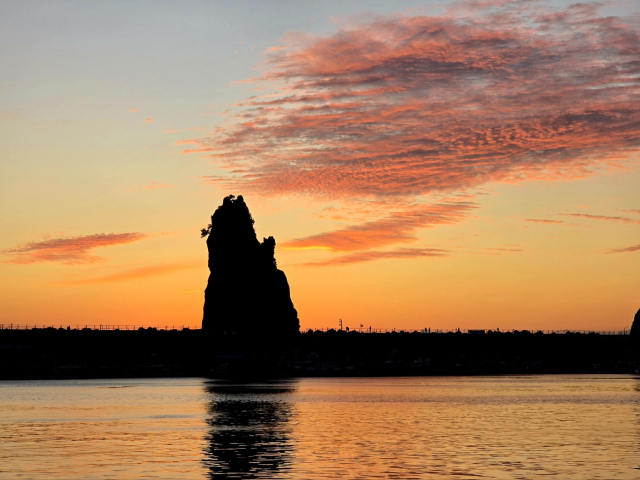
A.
pixel 149 120
pixel 587 216
pixel 401 105
pixel 171 130
pixel 154 185
pixel 275 48
pixel 539 220
pixel 633 248
pixel 71 250
pixel 360 257
pixel 397 227
pixel 133 110
pixel 602 217
pixel 135 274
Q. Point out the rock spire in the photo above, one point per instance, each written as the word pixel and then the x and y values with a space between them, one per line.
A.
pixel 635 326
pixel 246 293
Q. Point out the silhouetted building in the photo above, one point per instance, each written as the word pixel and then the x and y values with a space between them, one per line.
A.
pixel 246 293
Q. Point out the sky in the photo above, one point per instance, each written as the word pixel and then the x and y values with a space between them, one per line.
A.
pixel 470 164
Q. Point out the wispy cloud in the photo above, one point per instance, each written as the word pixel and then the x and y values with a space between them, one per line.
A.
pixel 70 250
pixel 360 257
pixel 135 274
pixel 633 248
pixel 403 105
pixel 149 120
pixel 602 217
pixel 503 249
pixel 543 220
pixel 397 227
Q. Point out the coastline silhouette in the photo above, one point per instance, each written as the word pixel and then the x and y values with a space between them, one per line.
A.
pixel 250 329
pixel 61 353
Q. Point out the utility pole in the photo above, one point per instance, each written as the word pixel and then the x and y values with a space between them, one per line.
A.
pixel 340 321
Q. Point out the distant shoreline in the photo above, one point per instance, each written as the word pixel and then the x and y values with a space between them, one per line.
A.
pixel 150 353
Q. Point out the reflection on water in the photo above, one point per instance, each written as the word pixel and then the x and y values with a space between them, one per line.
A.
pixel 570 427
pixel 248 432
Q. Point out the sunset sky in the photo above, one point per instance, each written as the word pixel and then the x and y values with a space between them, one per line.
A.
pixel 420 164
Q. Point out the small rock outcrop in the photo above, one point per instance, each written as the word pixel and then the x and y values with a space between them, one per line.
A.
pixel 246 293
pixel 635 326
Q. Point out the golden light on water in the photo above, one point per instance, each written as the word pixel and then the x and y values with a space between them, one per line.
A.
pixel 571 427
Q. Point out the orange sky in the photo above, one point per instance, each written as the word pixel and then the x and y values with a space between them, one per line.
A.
pixel 471 166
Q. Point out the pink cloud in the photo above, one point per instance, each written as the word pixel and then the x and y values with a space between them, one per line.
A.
pixel 133 110
pixel 135 274
pixel 360 257
pixel 396 227
pixel 407 105
pixel 275 48
pixel 149 120
pixel 71 250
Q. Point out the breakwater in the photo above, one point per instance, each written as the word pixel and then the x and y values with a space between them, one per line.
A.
pixel 150 352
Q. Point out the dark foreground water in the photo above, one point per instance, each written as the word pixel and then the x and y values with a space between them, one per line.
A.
pixel 565 427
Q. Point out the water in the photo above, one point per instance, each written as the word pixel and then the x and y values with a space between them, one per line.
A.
pixel 565 427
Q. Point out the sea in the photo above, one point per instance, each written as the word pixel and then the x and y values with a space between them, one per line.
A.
pixel 503 427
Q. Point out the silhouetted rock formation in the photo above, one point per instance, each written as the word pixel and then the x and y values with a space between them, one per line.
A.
pixel 246 293
pixel 635 326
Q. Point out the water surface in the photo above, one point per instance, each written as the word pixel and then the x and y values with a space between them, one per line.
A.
pixel 566 427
